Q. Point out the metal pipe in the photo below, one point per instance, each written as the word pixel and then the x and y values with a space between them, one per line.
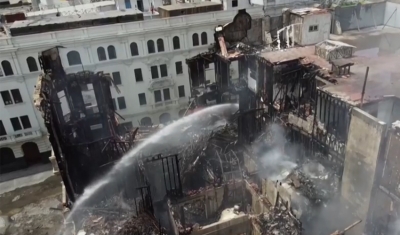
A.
pixel 363 90
pixel 389 19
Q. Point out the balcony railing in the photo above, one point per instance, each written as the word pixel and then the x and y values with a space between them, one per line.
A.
pixel 21 136
pixel 166 104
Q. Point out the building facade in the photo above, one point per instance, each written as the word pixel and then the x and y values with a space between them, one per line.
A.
pixel 146 60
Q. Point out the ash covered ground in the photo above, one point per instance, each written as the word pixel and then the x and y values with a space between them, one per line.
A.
pixel 33 209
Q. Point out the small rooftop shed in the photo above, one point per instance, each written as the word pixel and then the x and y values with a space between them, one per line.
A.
pixel 333 50
pixel 310 25
pixel 180 9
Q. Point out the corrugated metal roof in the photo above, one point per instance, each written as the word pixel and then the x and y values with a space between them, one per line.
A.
pixel 331 45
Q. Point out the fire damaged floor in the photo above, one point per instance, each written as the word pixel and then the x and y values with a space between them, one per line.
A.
pixel 220 191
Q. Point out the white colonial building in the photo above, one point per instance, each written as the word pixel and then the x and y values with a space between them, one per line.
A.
pixel 146 59
pixel 144 52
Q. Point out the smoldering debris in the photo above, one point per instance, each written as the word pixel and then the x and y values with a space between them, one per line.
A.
pixel 118 216
pixel 210 156
pixel 315 187
pixel 279 220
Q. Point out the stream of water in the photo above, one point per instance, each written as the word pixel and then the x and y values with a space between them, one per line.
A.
pixel 127 161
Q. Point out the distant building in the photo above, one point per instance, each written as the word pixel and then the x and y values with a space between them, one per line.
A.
pixel 310 25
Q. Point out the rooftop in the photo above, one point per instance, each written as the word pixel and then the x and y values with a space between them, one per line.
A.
pixel 183 6
pixel 383 77
pixel 307 53
pixel 74 18
pixel 331 45
pixel 77 8
pixel 309 11
pixel 4 10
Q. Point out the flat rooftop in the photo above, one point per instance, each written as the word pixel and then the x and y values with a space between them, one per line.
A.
pixel 308 53
pixel 377 49
pixel 12 9
pixel 183 6
pixel 74 18
pixel 309 11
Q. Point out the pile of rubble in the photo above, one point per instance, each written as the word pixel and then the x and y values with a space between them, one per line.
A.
pixel 209 156
pixel 279 220
pixel 318 185
pixel 118 216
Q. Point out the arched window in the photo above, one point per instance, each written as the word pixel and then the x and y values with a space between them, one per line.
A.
pixel 204 38
pixel 150 47
pixel 32 64
pixel 134 49
pixel 195 39
pixel 160 45
pixel 176 43
pixel 165 118
pixel 74 58
pixel 8 71
pixel 6 156
pixel 111 52
pixel 101 53
pixel 146 121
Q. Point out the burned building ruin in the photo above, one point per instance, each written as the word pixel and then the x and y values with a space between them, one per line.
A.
pixel 281 157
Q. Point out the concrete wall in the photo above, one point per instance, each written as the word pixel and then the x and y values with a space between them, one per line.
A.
pixel 324 24
pixel 236 226
pixel 366 134
pixel 362 15
pixel 392 17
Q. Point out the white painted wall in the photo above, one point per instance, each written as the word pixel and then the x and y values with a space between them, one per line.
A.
pixel 324 23
pixel 394 21
pixel 87 40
